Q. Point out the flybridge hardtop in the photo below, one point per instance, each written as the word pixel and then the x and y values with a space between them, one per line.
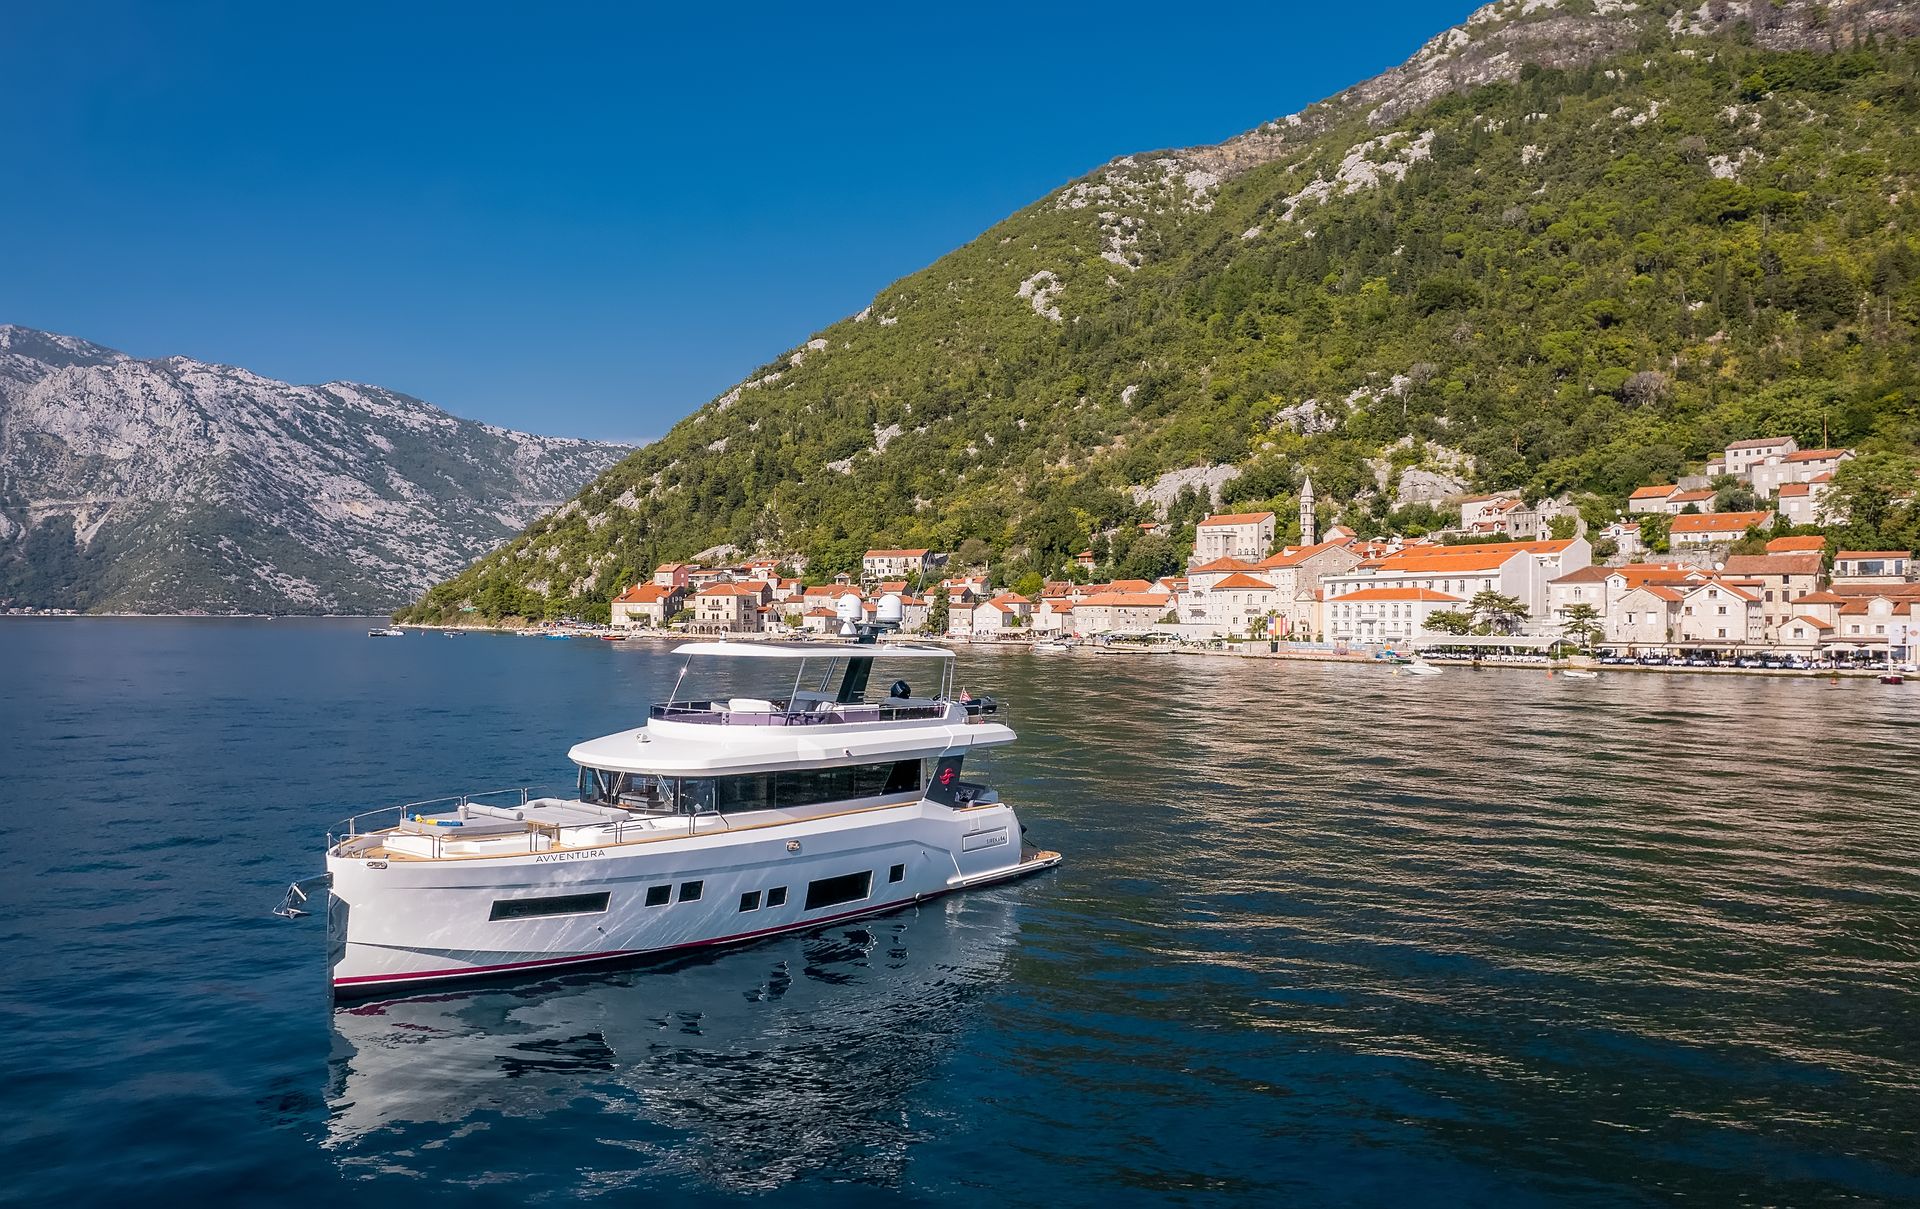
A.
pixel 823 718
pixel 801 789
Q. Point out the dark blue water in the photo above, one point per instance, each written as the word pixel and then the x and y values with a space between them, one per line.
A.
pixel 1323 935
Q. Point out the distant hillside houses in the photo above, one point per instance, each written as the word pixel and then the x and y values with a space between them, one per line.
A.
pixel 1774 468
pixel 1776 602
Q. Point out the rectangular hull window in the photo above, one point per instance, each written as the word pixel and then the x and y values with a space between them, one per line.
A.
pixel 777 897
pixel 832 891
pixel 534 908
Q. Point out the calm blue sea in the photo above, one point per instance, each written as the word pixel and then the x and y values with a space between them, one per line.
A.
pixel 1323 936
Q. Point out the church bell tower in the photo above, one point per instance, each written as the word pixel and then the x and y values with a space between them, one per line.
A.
pixel 1307 523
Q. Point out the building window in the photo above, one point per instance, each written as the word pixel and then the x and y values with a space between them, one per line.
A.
pixel 659 896
pixel 534 908
pixel 750 901
pixel 690 891
pixel 777 897
pixel 896 873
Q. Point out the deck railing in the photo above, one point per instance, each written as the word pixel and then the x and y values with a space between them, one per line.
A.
pixel 350 828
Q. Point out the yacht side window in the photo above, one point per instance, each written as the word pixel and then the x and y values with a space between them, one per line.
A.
pixel 696 795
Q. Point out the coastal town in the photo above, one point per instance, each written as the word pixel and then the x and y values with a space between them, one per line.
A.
pixel 1498 583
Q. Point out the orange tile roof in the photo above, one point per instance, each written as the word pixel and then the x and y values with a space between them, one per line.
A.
pixel 1465 549
pixel 1849 555
pixel 1689 497
pixel 1773 564
pixel 1586 575
pixel 1815 622
pixel 1293 556
pixel 1796 489
pixel 1240 579
pixel 1401 564
pixel 1759 442
pixel 1721 585
pixel 1660 590
pixel 1396 594
pixel 643 594
pixel 1822 597
pixel 1795 545
pixel 1131 585
pixel 833 590
pixel 896 553
pixel 1890 591
pixel 1717 522
pixel 1226 564
pixel 1815 455
pixel 1235 518
pixel 1126 600
pixel 1646 493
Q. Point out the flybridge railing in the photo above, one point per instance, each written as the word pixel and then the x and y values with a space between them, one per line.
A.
pixel 720 713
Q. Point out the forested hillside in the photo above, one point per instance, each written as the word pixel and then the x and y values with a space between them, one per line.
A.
pixel 1569 248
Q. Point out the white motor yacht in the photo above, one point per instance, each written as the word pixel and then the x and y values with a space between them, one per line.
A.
pixel 725 818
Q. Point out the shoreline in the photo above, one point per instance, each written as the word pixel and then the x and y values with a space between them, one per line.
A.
pixel 1021 646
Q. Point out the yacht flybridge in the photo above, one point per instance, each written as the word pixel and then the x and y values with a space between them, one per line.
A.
pixel 775 790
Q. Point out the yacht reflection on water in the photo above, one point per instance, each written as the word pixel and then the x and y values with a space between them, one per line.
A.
pixel 742 1070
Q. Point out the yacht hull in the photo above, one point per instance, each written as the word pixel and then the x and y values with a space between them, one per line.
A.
pixel 395 922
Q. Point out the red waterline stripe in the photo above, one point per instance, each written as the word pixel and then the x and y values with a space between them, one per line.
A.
pixel 359 979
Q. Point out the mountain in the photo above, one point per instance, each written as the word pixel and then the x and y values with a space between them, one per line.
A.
pixel 176 486
pixel 1568 247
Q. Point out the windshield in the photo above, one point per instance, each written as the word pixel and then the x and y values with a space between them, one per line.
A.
pixel 798 684
pixel 630 790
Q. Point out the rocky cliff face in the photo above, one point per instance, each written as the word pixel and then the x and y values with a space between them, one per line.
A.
pixel 177 486
pixel 1501 38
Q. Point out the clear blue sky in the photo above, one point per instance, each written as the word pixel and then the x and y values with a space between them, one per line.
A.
pixel 576 219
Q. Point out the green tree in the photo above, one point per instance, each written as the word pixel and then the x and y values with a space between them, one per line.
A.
pixel 1873 492
pixel 1030 585
pixel 1582 623
pixel 1450 621
pixel 1654 529
pixel 938 612
pixel 1732 494
pixel 1498 612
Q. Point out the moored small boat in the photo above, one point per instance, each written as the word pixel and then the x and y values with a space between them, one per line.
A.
pixel 389 631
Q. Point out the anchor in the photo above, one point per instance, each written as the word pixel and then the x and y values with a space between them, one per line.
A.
pixel 292 907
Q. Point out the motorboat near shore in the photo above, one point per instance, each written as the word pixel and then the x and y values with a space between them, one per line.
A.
pixel 387 631
pixel 737 811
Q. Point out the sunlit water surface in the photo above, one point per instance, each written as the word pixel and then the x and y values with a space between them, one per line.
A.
pixel 1323 934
